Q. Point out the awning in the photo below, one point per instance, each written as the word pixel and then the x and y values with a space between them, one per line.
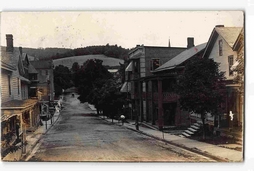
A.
pixel 129 67
pixel 233 67
pixel 5 117
pixel 7 67
pixel 24 79
pixel 126 87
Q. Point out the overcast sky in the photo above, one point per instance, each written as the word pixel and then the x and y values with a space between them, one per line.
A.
pixel 127 29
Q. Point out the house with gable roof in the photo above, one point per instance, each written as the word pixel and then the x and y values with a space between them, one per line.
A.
pixel 167 73
pixel 221 48
pixel 19 113
pixel 150 77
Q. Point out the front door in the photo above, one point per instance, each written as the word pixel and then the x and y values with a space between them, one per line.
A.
pixel 169 114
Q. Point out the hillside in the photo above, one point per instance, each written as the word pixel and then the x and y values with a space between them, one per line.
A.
pixel 68 61
pixel 46 53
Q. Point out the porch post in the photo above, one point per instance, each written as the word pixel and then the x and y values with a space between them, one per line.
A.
pixel 147 104
pixel 141 101
pixel 160 108
pixel 31 118
pixel 152 104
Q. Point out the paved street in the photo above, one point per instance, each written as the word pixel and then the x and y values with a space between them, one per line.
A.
pixel 81 136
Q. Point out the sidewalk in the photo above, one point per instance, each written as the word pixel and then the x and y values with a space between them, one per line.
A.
pixel 33 138
pixel 213 151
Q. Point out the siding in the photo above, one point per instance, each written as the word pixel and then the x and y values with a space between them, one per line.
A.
pixel 162 53
pixel 4 88
pixel 222 60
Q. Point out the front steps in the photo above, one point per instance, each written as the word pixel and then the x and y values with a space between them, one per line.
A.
pixel 191 130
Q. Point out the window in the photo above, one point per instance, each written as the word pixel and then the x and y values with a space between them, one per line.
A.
pixel 230 63
pixel 46 72
pixel 220 47
pixel 18 84
pixel 154 63
pixel 136 66
pixel 9 84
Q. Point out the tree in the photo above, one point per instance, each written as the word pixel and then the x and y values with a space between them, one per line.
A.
pixel 110 99
pixel 91 75
pixel 75 69
pixel 201 88
pixel 62 79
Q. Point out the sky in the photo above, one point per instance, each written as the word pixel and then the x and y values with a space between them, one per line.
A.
pixel 124 28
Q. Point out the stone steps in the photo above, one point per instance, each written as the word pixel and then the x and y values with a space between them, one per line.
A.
pixel 191 130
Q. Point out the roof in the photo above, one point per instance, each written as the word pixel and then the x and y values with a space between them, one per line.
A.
pixel 30 58
pixel 18 104
pixel 7 66
pixel 10 58
pixel 42 64
pixel 229 34
pixel 180 58
pixel 24 79
pixel 237 42
pixel 32 70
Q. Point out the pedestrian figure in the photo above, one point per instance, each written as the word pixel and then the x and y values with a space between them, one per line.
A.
pixel 122 118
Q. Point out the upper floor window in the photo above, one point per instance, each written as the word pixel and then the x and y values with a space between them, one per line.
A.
pixel 46 72
pixel 9 84
pixel 154 63
pixel 136 66
pixel 33 77
pixel 220 47
pixel 230 63
pixel 18 84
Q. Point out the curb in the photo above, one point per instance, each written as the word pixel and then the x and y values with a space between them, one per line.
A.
pixel 218 159
pixel 23 158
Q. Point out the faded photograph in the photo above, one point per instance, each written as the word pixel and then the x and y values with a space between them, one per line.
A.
pixel 122 86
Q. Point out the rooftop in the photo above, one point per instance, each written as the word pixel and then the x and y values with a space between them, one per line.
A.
pixel 180 58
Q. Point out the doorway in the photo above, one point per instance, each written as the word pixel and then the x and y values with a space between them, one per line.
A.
pixel 169 114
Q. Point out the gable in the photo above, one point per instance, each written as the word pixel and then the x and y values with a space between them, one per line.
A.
pixel 228 34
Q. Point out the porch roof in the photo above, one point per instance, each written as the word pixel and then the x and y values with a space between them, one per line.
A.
pixel 7 66
pixel 18 104
pixel 24 79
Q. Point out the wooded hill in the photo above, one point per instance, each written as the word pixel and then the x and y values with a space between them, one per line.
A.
pixel 56 53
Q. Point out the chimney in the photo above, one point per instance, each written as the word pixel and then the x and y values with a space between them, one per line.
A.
pixel 169 43
pixel 20 50
pixel 9 41
pixel 219 26
pixel 190 42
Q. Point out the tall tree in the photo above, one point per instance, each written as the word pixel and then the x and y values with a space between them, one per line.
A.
pixel 201 88
pixel 110 99
pixel 75 77
pixel 62 79
pixel 91 75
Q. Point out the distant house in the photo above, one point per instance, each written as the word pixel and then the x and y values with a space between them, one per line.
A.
pixel 222 48
pixel 18 112
pixel 45 79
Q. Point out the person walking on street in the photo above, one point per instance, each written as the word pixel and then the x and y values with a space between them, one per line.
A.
pixel 122 119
